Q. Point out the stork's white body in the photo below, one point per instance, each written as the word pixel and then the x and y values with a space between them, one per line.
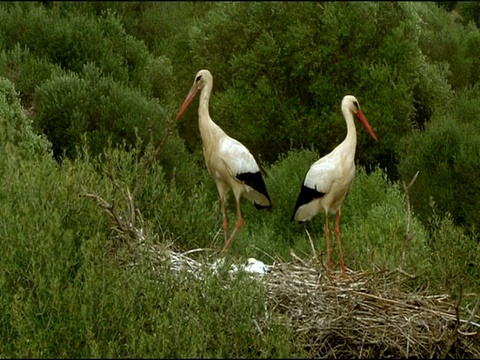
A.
pixel 332 175
pixel 228 161
pixel 225 158
pixel 330 178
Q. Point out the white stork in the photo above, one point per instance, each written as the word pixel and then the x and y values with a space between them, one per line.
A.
pixel 329 179
pixel 228 161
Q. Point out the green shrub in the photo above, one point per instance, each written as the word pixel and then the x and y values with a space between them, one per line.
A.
pixel 375 224
pixel 26 71
pixel 155 78
pixel 281 71
pixel 70 106
pixel 62 103
pixel 191 216
pixel 446 153
pixel 455 257
pixel 46 230
pixel 15 128
pixel 64 293
pixel 183 315
pixel 70 39
pixel 470 11
pixel 444 40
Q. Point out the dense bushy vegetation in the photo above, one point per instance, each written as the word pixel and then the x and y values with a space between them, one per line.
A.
pixel 88 96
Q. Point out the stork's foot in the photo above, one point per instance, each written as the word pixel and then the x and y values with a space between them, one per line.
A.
pixel 337 277
pixel 222 252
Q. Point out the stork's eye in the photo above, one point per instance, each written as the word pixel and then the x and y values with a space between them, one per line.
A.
pixel 356 105
pixel 199 77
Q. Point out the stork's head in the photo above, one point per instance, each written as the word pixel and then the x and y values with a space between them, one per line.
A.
pixel 351 104
pixel 202 78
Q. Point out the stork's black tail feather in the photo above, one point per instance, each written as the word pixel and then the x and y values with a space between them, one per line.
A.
pixel 260 207
pixel 256 182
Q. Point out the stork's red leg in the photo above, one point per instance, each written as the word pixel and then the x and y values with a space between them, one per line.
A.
pixel 327 235
pixel 237 226
pixel 224 215
pixel 339 243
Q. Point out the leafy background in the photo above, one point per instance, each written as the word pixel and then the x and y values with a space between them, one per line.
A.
pixel 88 89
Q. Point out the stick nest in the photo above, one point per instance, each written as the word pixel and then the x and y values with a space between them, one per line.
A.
pixel 367 315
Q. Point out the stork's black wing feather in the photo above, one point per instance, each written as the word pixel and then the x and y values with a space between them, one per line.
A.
pixel 305 196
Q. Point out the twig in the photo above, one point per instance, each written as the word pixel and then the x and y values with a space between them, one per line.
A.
pixel 474 311
pixel 408 236
pixel 215 238
pixel 311 244
pixel 131 209
pixel 255 322
pixel 109 208
pixel 265 253
pixel 194 251
pixel 406 273
pixel 453 337
pixel 292 254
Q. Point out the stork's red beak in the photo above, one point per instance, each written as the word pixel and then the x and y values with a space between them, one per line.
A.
pixel 365 123
pixel 191 95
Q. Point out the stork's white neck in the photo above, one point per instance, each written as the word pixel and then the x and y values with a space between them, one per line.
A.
pixel 203 112
pixel 350 142
pixel 209 131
